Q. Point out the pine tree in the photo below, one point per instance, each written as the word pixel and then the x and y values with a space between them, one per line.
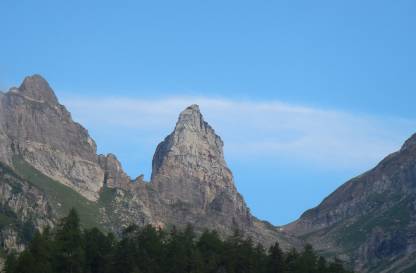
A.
pixel 41 250
pixel 98 250
pixel 148 250
pixel 307 260
pixel 211 248
pixel 276 262
pixel 69 256
pixel 25 263
pixel 179 250
pixel 292 261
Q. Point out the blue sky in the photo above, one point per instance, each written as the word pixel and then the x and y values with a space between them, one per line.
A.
pixel 305 94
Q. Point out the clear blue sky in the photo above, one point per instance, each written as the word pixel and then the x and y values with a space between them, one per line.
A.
pixel 348 62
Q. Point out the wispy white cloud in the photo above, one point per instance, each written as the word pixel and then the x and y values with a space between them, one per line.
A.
pixel 253 130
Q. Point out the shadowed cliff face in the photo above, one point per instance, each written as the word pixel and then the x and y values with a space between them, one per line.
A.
pixel 371 219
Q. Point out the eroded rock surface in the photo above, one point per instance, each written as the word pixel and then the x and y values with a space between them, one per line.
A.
pixel 370 221
pixel 190 183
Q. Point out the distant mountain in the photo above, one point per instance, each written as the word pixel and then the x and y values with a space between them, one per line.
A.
pixel 49 163
pixel 370 221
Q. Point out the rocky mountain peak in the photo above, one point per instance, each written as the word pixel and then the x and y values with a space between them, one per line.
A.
pixel 193 144
pixel 192 157
pixel 35 87
pixel 189 171
pixel 35 128
pixel 190 117
pixel 192 122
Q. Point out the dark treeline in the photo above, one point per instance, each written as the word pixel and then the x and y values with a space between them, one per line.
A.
pixel 69 249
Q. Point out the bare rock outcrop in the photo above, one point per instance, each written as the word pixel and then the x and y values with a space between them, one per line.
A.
pixel 190 183
pixel 370 220
pixel 189 170
pixel 23 207
pixel 114 175
pixel 35 127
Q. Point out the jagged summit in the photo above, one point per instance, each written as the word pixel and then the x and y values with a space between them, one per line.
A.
pixel 191 116
pixel 189 164
pixel 192 119
pixel 192 149
pixel 189 168
pixel 190 181
pixel 37 88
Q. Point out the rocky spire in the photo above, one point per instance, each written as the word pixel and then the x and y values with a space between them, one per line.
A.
pixel 37 88
pixel 192 157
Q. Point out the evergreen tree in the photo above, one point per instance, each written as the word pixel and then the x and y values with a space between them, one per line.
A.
pixel 179 251
pixel 276 260
pixel 307 261
pixel 150 250
pixel 69 255
pixel 25 263
pixel 124 257
pixel 98 250
pixel 41 250
pixel 68 249
pixel 211 248
pixel 292 261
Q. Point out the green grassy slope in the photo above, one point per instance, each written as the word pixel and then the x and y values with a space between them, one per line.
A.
pixel 61 197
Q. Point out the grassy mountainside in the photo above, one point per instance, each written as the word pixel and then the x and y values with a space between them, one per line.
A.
pixel 61 197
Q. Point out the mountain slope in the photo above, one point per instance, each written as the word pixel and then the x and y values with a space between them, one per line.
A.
pixel 369 221
pixel 53 155
pixel 191 184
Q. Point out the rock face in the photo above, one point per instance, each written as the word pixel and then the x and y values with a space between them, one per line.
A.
pixel 191 184
pixel 23 208
pixel 48 164
pixel 191 156
pixel 114 175
pixel 189 168
pixel 369 221
pixel 35 127
pixel 54 160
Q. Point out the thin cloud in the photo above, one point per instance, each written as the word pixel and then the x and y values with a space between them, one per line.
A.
pixel 253 130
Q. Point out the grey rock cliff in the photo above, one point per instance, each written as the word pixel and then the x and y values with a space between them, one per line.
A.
pixel 370 220
pixel 114 175
pixel 189 169
pixel 189 166
pixel 21 206
pixel 35 127
pixel 190 182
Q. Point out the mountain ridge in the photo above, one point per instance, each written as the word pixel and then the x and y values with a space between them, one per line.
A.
pixel 370 219
pixel 368 222
pixel 190 182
